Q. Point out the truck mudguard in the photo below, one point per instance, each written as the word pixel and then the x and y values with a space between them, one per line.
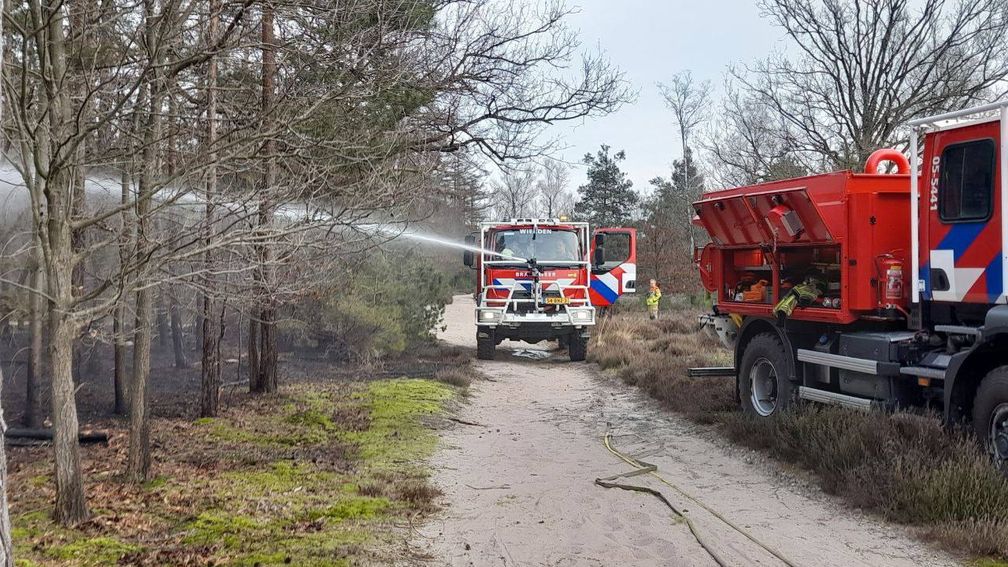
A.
pixel 968 367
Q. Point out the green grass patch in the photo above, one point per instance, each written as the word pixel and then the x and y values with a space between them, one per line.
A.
pixel 353 508
pixel 219 528
pixel 93 551
pixel 396 433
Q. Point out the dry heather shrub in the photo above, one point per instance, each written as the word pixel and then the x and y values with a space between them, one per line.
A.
pixel 655 356
pixel 617 342
pixel 903 466
pixel 459 376
pixel 975 537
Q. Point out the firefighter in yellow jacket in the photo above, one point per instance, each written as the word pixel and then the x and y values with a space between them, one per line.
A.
pixel 653 298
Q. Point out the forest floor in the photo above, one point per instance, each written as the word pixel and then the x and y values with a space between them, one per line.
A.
pixel 329 471
pixel 519 486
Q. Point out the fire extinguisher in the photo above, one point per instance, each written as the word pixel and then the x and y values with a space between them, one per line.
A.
pixel 893 290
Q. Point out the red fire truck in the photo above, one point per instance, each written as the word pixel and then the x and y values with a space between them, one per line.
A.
pixel 870 289
pixel 541 279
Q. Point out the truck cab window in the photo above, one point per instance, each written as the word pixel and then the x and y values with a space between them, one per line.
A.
pixel 966 184
pixel 617 247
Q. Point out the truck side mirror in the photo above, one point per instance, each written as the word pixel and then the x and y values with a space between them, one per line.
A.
pixel 468 258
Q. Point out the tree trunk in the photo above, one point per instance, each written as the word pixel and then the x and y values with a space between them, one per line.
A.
pixel 34 369
pixel 6 545
pixel 139 458
pixel 253 353
pixel 120 381
pixel 33 409
pixel 177 335
pixel 138 465
pixel 163 332
pixel 71 507
pixel 267 379
pixel 210 376
pixel 268 350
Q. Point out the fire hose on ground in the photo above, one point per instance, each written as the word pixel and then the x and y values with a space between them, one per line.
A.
pixel 640 468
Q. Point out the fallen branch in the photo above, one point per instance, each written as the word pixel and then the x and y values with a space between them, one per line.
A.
pixel 15 433
pixel 464 422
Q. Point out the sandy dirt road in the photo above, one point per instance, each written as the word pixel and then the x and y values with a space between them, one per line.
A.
pixel 519 488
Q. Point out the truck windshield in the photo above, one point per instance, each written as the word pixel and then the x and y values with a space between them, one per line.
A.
pixel 548 245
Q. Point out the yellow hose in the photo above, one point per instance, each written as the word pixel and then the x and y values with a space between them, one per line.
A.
pixel 652 470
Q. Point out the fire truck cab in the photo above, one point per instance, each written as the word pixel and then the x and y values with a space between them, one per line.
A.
pixel 898 279
pixel 542 279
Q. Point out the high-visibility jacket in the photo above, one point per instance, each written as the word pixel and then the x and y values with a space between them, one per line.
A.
pixel 802 295
pixel 653 297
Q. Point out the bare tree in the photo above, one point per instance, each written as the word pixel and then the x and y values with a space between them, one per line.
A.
pixel 210 371
pixel 263 378
pixel 689 101
pixel 6 544
pixel 750 144
pixel 861 70
pixel 514 194
pixel 555 198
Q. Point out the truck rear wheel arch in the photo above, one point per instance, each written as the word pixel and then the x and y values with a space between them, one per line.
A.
pixel 965 373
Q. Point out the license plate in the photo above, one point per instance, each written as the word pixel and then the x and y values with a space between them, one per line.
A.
pixel 557 300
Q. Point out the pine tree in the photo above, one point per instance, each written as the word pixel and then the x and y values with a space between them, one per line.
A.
pixel 608 199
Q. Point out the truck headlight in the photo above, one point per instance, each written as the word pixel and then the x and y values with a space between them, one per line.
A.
pixel 581 315
pixel 488 315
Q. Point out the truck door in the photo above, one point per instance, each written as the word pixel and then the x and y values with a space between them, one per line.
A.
pixel 960 213
pixel 617 273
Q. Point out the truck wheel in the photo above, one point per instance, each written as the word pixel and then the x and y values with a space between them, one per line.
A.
pixel 563 342
pixel 577 347
pixel 763 377
pixel 990 415
pixel 486 347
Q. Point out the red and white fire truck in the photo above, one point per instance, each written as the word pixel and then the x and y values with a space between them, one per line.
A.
pixel 869 289
pixel 541 280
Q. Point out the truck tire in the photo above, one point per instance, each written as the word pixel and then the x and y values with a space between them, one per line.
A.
pixel 486 347
pixel 563 342
pixel 577 348
pixel 990 415
pixel 764 387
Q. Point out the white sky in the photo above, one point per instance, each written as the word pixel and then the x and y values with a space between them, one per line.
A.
pixel 650 40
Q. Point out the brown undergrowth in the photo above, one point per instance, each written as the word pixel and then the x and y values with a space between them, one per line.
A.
pixel 903 466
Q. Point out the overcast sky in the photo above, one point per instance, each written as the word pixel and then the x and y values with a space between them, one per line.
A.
pixel 650 40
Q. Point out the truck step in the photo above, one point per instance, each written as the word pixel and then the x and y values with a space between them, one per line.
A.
pixel 923 372
pixel 711 371
pixel 824 397
pixel 957 330
pixel 862 365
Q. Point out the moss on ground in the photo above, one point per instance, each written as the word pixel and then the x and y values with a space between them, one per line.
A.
pixel 397 408
pixel 312 477
pixel 93 551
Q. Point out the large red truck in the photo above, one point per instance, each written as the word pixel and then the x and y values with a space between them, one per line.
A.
pixel 541 279
pixel 873 289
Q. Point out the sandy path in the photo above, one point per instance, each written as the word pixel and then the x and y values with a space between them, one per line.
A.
pixel 519 490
